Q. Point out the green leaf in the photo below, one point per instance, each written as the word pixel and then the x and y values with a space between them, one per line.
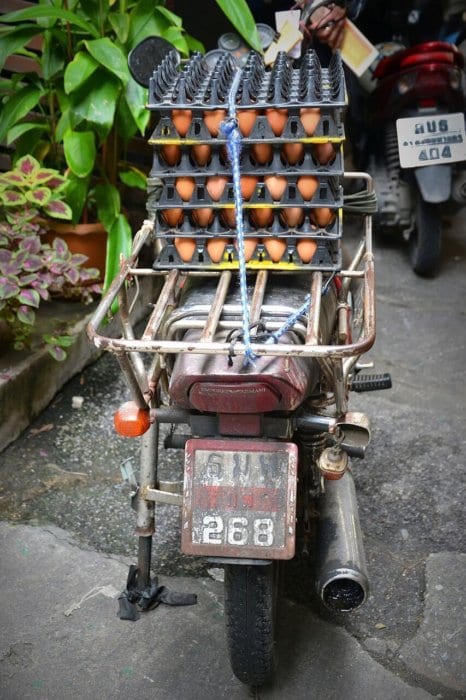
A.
pixel 108 204
pixel 241 17
pixel 17 131
pixel 15 40
pixel 53 56
pixel 194 44
pixel 62 341
pixel 49 12
pixel 120 24
pixel 18 107
pixel 145 22
pixel 30 297
pixel 110 57
pixel 178 39
pixel 119 243
pixel 170 16
pixel 136 99
pixel 95 102
pixel 57 352
pixel 39 196
pixel 79 70
pixel 80 151
pixel 12 199
pixel 26 315
pixel 76 194
pixel 133 178
pixel 58 209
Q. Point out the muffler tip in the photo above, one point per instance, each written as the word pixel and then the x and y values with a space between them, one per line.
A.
pixel 344 594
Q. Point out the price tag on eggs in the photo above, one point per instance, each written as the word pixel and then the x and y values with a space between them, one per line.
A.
pixel 239 499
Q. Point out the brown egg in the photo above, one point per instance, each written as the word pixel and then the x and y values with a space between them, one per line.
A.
pixel 248 185
pixel 277 119
pixel 181 119
pixel 310 117
pixel 213 118
pixel 215 248
pixel 262 153
pixel 171 154
pixel 276 185
pixel 246 119
pixel 215 185
pixel 293 152
pixel 185 248
pixel 262 217
pixel 275 248
pixel 173 217
pixel 323 216
pixel 229 217
pixel 185 187
pixel 324 153
pixel 306 249
pixel 292 216
pixel 307 186
pixel 250 245
pixel 201 153
pixel 203 216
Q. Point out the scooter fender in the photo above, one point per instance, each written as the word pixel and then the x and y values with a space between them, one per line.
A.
pixel 434 182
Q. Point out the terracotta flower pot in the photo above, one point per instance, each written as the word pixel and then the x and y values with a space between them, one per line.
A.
pixel 86 239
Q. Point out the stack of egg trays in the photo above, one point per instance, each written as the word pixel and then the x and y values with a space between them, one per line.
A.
pixel 199 88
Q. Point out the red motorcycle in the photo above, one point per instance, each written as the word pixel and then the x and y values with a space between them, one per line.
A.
pixel 415 143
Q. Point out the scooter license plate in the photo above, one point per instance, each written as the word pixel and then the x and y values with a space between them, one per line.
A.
pixel 239 499
pixel 431 139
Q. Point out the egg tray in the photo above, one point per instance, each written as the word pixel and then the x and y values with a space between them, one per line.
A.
pixel 194 83
pixel 218 163
pixel 326 258
pixel 218 229
pixel 329 193
pixel 329 128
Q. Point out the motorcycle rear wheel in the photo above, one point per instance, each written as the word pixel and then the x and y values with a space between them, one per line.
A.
pixel 425 242
pixel 251 593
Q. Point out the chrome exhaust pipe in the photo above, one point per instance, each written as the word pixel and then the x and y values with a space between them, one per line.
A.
pixel 342 581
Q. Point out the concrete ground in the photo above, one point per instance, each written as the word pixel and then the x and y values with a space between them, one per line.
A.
pixel 66 537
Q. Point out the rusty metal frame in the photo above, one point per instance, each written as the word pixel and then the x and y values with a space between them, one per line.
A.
pixel 336 361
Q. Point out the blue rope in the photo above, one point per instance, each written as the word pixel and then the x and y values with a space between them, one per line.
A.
pixel 293 318
pixel 230 128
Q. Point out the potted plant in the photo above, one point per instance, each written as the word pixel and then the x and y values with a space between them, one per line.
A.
pixel 81 107
pixel 31 270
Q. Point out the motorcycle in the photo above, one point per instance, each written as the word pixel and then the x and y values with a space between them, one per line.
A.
pixel 249 361
pixel 414 141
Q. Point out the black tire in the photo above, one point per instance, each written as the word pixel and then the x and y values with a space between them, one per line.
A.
pixel 425 242
pixel 250 611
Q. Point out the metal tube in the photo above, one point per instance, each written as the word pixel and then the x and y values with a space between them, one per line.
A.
pixel 341 580
pixel 216 309
pixel 144 561
pixel 147 480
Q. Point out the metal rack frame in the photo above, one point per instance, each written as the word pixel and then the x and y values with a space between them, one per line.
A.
pixel 337 361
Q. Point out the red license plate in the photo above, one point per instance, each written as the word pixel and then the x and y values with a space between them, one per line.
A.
pixel 239 499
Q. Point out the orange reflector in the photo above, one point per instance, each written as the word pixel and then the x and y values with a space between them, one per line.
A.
pixel 130 420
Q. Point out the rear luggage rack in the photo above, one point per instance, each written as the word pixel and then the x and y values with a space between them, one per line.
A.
pixel 160 334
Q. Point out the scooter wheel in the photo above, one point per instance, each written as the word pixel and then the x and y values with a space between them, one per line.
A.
pixel 425 242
